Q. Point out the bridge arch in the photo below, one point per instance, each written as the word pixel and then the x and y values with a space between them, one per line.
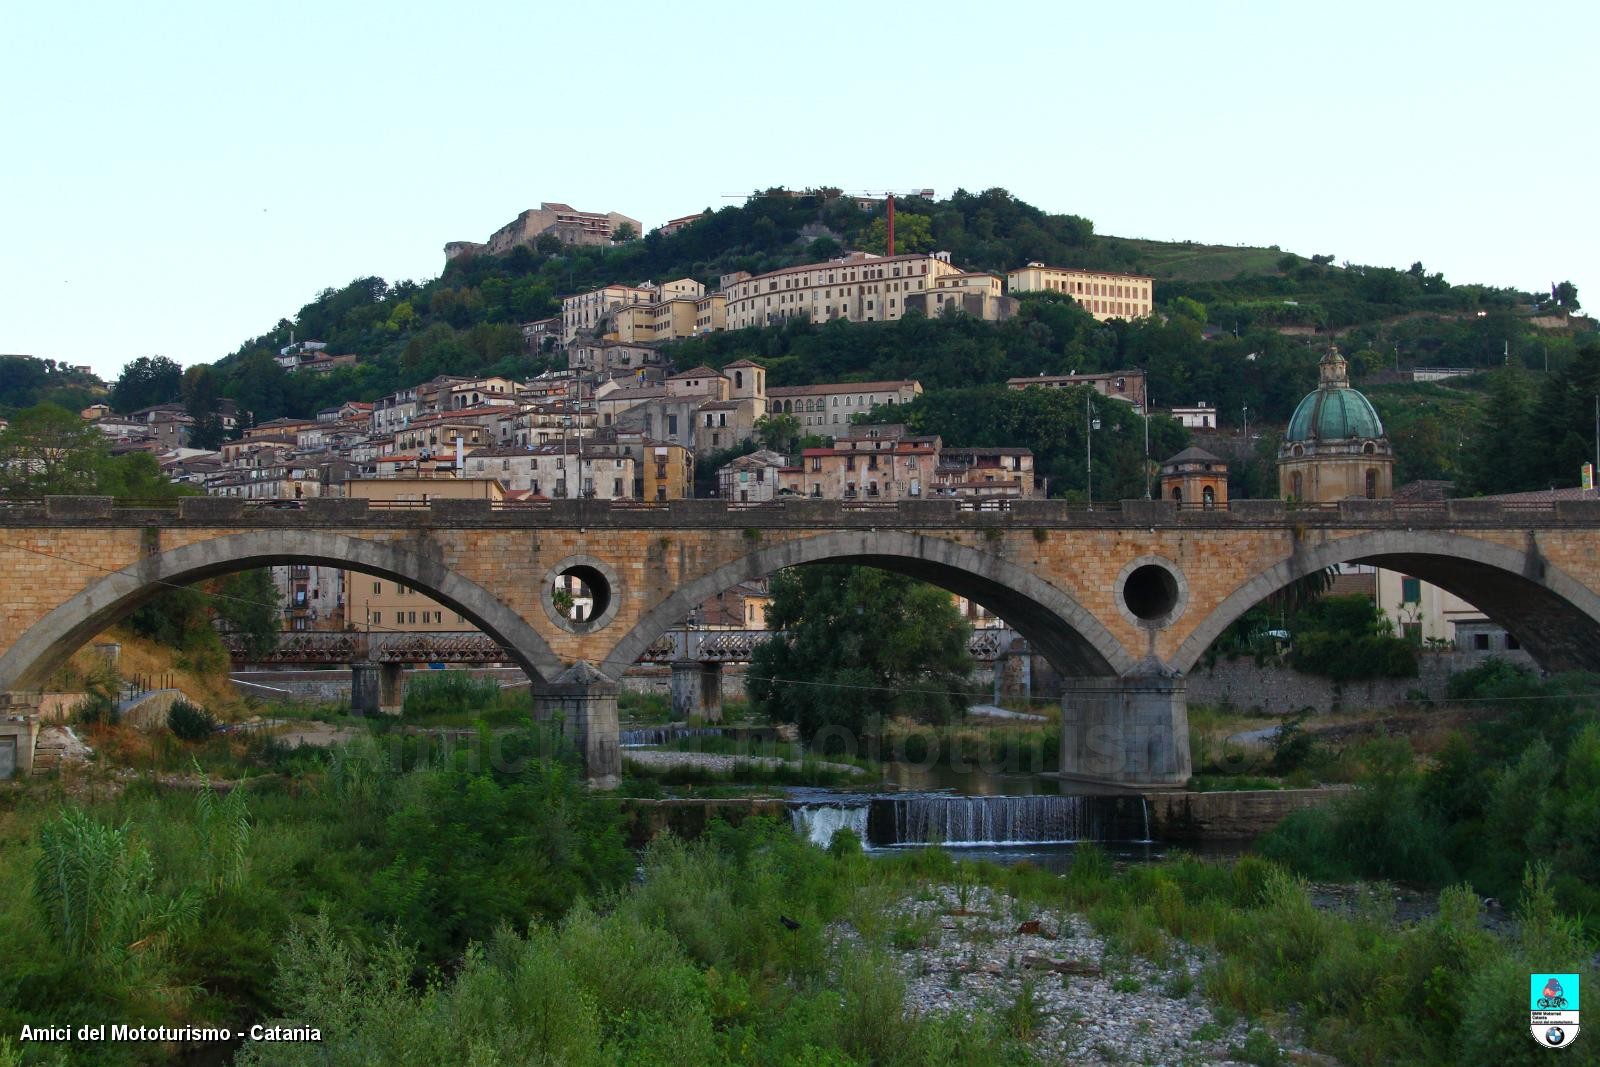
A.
pixel 1554 616
pixel 45 646
pixel 1056 625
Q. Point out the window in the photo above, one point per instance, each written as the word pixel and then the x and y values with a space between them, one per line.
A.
pixel 1480 642
pixel 1372 483
pixel 377 587
pixel 377 618
pixel 1410 590
pixel 1512 644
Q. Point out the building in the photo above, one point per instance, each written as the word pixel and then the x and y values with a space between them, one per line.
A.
pixel 643 314
pixel 1118 384
pixel 560 470
pixel 1195 478
pixel 871 462
pixel 313 596
pixel 1201 416
pixel 859 287
pixel 611 359
pixel 997 473
pixel 1103 294
pixel 752 479
pixel 1335 447
pixel 562 221
pixel 819 406
pixel 672 226
pixel 980 295
pixel 542 335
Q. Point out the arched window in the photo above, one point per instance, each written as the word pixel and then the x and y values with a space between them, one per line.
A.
pixel 1372 483
pixel 1294 486
pixel 738 379
pixel 1208 497
pixel 1177 493
pixel 1369 448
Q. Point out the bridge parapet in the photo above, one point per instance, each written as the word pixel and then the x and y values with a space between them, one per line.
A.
pixel 790 513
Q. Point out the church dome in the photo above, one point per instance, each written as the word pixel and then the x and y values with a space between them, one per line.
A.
pixel 1335 411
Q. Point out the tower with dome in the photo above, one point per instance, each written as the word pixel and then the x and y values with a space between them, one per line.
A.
pixel 1335 447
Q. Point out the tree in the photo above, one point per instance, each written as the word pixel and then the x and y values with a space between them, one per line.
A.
pixel 624 232
pixel 912 233
pixel 248 605
pixel 147 381
pixel 548 244
pixel 854 644
pixel 50 451
pixel 778 432
pixel 1566 294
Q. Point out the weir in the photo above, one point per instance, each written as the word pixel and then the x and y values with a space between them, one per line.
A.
pixel 971 821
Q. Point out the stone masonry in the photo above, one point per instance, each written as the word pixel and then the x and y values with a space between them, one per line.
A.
pixel 1130 596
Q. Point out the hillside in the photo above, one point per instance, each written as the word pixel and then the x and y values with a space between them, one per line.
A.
pixel 1237 327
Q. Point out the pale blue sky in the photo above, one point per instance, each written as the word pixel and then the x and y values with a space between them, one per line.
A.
pixel 177 176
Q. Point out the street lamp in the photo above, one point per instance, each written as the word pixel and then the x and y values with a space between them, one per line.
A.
pixel 1090 424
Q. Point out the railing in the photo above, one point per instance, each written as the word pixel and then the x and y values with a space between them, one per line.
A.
pixel 809 510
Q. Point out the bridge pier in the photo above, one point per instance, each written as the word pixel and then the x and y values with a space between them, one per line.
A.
pixel 1129 732
pixel 391 688
pixel 696 690
pixel 586 703
pixel 366 685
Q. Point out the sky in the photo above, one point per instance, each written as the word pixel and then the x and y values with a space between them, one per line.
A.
pixel 176 177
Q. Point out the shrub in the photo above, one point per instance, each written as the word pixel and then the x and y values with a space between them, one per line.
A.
pixel 190 723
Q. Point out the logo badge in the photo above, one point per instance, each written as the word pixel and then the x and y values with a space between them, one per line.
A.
pixel 1553 1009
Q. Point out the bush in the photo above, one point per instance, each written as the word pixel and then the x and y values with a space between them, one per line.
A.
pixel 190 723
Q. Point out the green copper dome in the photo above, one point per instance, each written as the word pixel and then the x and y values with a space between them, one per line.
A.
pixel 1335 411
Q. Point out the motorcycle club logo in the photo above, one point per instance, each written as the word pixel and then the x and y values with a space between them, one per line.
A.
pixel 1553 1009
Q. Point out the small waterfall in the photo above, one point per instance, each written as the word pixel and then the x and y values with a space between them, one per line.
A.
pixel 819 822
pixel 645 736
pixel 957 821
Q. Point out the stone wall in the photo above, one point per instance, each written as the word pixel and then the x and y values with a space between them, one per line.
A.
pixel 1233 815
pixel 1240 684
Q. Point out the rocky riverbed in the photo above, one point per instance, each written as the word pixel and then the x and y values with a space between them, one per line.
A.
pixel 1048 974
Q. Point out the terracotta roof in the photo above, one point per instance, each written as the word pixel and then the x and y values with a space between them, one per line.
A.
pixel 840 387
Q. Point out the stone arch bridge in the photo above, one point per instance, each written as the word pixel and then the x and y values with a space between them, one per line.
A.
pixel 1122 600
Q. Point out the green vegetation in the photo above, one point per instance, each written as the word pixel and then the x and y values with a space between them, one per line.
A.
pixel 48 450
pixel 190 723
pixel 1517 789
pixel 25 383
pixel 858 644
pixel 458 698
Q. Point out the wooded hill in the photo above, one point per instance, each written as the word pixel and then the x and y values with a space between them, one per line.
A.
pixel 1236 327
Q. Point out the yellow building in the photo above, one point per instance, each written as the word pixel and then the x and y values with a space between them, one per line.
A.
pixel 859 287
pixel 666 471
pixel 387 605
pixel 1103 294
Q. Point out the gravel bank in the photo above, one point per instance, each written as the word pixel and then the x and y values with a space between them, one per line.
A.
pixel 1090 1006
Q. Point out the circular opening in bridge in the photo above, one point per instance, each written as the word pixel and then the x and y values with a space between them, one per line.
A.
pixel 580 594
pixel 1151 592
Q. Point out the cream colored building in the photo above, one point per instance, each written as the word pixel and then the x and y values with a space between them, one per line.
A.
pixel 383 603
pixel 859 287
pixel 585 310
pixel 1104 294
pixel 832 405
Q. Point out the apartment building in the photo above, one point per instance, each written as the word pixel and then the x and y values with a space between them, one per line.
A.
pixel 1103 294
pixel 985 473
pixel 821 407
pixel 1125 385
pixel 752 479
pixel 559 470
pixel 859 287
pixel 542 335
